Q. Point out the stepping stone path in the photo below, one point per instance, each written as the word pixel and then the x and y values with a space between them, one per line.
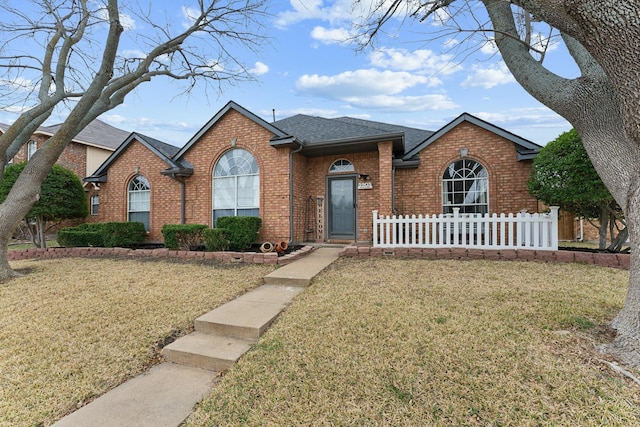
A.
pixel 167 393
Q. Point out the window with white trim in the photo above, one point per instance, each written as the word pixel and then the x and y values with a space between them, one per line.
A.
pixel 139 207
pixel 236 185
pixel 341 165
pixel 31 149
pixel 465 185
pixel 95 204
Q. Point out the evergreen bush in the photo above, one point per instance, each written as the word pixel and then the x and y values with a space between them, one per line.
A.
pixel 216 239
pixel 183 236
pixel 243 230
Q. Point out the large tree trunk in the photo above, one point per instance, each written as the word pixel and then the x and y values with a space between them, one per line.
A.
pixel 626 346
pixel 6 232
pixel 602 105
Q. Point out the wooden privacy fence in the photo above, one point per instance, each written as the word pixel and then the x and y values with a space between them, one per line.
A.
pixel 519 231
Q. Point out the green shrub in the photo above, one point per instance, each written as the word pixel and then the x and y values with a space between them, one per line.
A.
pixel 123 234
pixel 216 239
pixel 183 236
pixel 74 237
pixel 103 234
pixel 243 230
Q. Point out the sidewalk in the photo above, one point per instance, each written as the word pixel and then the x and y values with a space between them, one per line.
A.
pixel 166 394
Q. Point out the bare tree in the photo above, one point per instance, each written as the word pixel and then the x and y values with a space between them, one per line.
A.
pixel 67 54
pixel 603 39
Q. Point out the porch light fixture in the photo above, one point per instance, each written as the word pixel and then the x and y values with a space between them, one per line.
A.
pixel 464 152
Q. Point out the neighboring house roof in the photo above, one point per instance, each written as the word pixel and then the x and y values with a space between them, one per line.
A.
pixel 526 150
pixel 165 151
pixel 97 134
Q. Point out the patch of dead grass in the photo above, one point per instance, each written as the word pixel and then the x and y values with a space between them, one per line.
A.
pixel 415 342
pixel 74 328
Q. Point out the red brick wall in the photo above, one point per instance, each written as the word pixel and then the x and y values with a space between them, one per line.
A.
pixel 364 163
pixel 419 191
pixel 274 173
pixel 165 191
pixel 74 156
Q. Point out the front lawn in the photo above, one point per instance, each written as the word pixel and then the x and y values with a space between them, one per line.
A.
pixel 71 329
pixel 435 343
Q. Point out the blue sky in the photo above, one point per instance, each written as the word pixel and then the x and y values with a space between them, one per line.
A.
pixel 309 69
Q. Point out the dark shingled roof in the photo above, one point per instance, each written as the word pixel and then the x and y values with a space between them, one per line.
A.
pixel 96 133
pixel 167 149
pixel 316 130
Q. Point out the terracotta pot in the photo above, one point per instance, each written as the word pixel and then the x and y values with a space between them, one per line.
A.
pixel 266 247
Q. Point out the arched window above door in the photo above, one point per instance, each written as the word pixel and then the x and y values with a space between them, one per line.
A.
pixel 341 165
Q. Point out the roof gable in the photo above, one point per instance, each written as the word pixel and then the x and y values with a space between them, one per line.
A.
pixel 221 113
pixel 161 149
pixel 525 149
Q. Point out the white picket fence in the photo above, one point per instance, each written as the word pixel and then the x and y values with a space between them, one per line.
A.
pixel 519 231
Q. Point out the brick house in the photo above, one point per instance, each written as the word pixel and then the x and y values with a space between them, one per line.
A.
pixel 312 178
pixel 83 155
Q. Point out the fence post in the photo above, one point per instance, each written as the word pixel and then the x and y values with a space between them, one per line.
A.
pixel 375 228
pixel 554 227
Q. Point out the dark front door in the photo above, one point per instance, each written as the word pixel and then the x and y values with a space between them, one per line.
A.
pixel 342 207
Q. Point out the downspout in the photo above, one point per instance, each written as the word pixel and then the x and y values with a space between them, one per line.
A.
pixel 183 198
pixel 291 153
pixel 393 189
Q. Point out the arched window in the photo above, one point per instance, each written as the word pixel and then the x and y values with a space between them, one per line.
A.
pixel 465 185
pixel 140 201
pixel 236 185
pixel 341 165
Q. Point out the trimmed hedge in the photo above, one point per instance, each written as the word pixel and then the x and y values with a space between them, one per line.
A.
pixel 123 234
pixel 183 236
pixel 216 239
pixel 105 234
pixel 243 230
pixel 73 237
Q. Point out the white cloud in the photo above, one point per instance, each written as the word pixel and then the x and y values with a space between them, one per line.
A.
pixel 19 83
pixel 189 14
pixel 423 61
pixel 126 20
pixel 331 35
pixel 374 89
pixel 333 11
pixel 141 124
pixel 259 69
pixel 366 82
pixel 491 76
pixel 133 54
pixel 404 103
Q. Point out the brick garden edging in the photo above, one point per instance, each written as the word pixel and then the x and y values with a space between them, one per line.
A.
pixel 271 258
pixel 621 261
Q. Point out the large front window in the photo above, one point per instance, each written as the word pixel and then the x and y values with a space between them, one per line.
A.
pixel 140 201
pixel 236 185
pixel 465 186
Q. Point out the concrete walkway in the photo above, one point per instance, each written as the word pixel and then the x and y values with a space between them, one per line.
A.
pixel 166 394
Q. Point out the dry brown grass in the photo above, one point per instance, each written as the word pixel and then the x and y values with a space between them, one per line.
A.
pixel 443 343
pixel 72 329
